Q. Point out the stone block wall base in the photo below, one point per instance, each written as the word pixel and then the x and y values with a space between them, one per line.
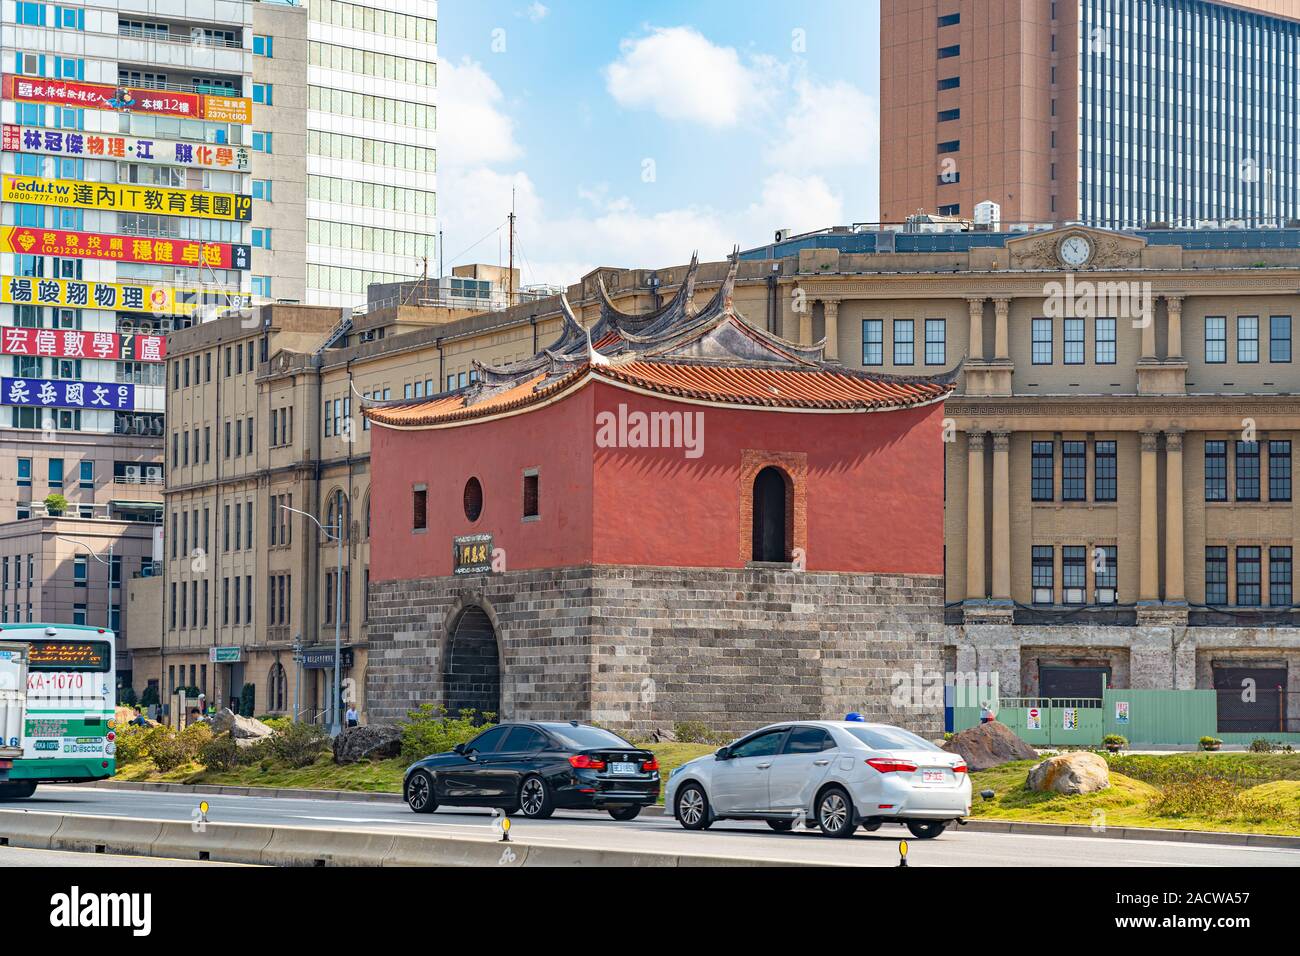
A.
pixel 636 649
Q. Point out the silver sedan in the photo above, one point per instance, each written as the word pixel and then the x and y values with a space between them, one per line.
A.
pixel 836 775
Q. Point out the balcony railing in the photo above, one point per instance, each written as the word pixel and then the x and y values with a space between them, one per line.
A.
pixel 205 88
pixel 166 36
pixel 138 480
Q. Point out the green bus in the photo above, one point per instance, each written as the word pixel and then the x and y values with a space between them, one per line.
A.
pixel 69 726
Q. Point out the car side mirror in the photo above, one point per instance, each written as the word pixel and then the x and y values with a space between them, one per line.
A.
pixel 724 753
pixel 458 749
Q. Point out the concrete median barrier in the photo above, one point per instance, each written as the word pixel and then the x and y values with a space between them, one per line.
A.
pixel 107 835
pixel 300 846
pixel 29 829
pixel 453 851
pixel 224 842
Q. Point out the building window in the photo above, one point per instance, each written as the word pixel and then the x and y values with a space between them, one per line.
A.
pixel 950 19
pixel 1042 342
pixel 473 499
pixel 531 500
pixel 1043 469
pixel 949 83
pixel 1216 575
pixel 262 189
pixel 947 116
pixel 79 614
pixel 1105 468
pixel 952 209
pixel 904 341
pixel 262 238
pixel 1105 341
pixel 1279 576
pixel 1216 471
pixel 1105 573
pixel 80 570
pixel 1044 574
pixel 936 342
pixel 1248 338
pixel 873 342
pixel 262 93
pixel 24 472
pixel 1074 471
pixel 1216 339
pixel 419 508
pixel 947 52
pixel 951 146
pixel 1248 471
pixel 1248 576
pixel 56 473
pixel 1074 574
pixel 263 46
pixel 768 531
pixel 1279 338
pixel 261 288
pixel 1279 471
pixel 262 142
pixel 1073 353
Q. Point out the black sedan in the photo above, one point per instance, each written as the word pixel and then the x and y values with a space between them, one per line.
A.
pixel 535 769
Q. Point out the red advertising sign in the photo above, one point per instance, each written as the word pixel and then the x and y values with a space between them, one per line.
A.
pixel 93 245
pixel 73 343
pixel 127 99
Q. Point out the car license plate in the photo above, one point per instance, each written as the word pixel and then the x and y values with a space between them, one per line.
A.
pixel 623 768
pixel 933 776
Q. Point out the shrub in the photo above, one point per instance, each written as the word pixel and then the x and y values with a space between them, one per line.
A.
pixel 1210 743
pixel 1195 797
pixel 150 696
pixel 428 730
pixel 277 723
pixel 167 750
pixel 1115 740
pixel 298 745
pixel 55 504
pixel 247 698
pixel 692 732
pixel 220 753
pixel 1262 745
pixel 130 743
pixel 127 697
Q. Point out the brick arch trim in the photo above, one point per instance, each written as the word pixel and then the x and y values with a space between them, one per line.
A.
pixel 466 599
pixel 794 466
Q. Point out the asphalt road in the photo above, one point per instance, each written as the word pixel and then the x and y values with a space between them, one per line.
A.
pixel 956 847
pixel 17 857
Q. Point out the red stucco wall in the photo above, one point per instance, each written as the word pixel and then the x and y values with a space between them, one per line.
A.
pixel 874 489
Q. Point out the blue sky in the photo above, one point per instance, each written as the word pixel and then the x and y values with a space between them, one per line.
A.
pixel 634 132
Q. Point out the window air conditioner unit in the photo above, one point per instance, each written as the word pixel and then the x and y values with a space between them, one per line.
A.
pixel 1074 595
pixel 1042 595
pixel 1106 596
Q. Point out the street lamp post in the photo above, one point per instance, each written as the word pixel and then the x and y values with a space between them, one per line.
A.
pixel 337 537
pixel 108 606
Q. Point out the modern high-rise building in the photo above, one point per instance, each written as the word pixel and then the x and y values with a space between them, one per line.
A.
pixel 1118 113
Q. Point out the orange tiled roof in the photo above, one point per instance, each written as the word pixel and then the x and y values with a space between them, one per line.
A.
pixel 723 385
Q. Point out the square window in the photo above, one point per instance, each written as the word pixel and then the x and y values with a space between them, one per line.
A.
pixel 904 342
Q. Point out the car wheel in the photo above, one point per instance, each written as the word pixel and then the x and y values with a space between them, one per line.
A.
pixel 419 793
pixel 19 790
pixel 835 813
pixel 924 830
pixel 535 799
pixel 693 807
pixel 781 826
pixel 625 813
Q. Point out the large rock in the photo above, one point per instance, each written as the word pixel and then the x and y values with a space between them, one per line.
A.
pixel 239 728
pixel 989 745
pixel 368 742
pixel 1070 773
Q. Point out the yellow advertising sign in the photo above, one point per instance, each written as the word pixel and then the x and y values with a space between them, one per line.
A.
pixel 158 200
pixel 126 296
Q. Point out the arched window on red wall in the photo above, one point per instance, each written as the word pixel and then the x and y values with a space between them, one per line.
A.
pixel 771 515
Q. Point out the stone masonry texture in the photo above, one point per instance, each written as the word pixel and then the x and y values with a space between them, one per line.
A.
pixel 637 648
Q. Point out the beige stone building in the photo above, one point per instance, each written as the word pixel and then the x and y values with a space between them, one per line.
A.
pixel 1119 501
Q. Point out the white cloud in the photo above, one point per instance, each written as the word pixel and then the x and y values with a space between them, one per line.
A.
pixel 830 125
pixel 470 106
pixel 794 202
pixel 537 12
pixel 679 74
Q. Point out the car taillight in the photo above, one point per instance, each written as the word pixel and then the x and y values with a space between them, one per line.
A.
pixel 650 765
pixel 583 762
pixel 960 768
pixel 891 765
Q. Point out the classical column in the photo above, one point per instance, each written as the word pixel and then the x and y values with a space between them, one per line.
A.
pixel 1174 590
pixel 976 306
pixel 1174 308
pixel 975 590
pixel 1001 516
pixel 1148 554
pixel 1149 337
pixel 831 311
pixel 1001 336
pixel 805 317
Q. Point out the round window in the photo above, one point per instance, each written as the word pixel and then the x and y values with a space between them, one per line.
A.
pixel 473 499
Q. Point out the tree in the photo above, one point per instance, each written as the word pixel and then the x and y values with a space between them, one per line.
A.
pixel 55 504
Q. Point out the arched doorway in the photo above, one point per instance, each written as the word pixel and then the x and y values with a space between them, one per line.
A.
pixel 472 672
pixel 770 516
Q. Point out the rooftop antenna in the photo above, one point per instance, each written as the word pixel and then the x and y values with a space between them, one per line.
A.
pixel 510 272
